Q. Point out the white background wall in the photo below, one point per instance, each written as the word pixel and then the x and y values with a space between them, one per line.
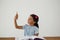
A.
pixel 47 10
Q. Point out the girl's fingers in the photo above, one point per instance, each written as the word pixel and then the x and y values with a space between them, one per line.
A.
pixel 16 17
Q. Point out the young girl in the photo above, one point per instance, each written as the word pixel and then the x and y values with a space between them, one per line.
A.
pixel 32 28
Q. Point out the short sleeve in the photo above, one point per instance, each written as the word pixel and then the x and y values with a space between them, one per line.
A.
pixel 36 30
pixel 24 27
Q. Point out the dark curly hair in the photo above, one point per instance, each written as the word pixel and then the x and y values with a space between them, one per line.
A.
pixel 36 19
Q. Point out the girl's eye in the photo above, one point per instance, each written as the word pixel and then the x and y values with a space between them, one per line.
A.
pixel 29 19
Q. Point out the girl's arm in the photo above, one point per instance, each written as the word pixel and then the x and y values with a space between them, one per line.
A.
pixel 36 31
pixel 36 34
pixel 15 22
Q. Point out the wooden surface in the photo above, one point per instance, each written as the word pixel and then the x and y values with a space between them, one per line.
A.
pixel 7 38
pixel 52 38
pixel 47 38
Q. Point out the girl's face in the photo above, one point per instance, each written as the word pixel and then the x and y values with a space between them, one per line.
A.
pixel 30 21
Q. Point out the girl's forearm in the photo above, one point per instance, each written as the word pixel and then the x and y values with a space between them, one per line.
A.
pixel 16 25
pixel 36 34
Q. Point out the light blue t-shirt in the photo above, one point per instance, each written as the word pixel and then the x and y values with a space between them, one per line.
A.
pixel 30 30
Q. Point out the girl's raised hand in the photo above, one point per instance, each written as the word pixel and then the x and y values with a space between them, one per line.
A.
pixel 16 17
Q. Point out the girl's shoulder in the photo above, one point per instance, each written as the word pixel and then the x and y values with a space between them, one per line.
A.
pixel 26 25
pixel 35 27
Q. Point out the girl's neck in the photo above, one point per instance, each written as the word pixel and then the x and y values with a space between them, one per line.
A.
pixel 31 24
